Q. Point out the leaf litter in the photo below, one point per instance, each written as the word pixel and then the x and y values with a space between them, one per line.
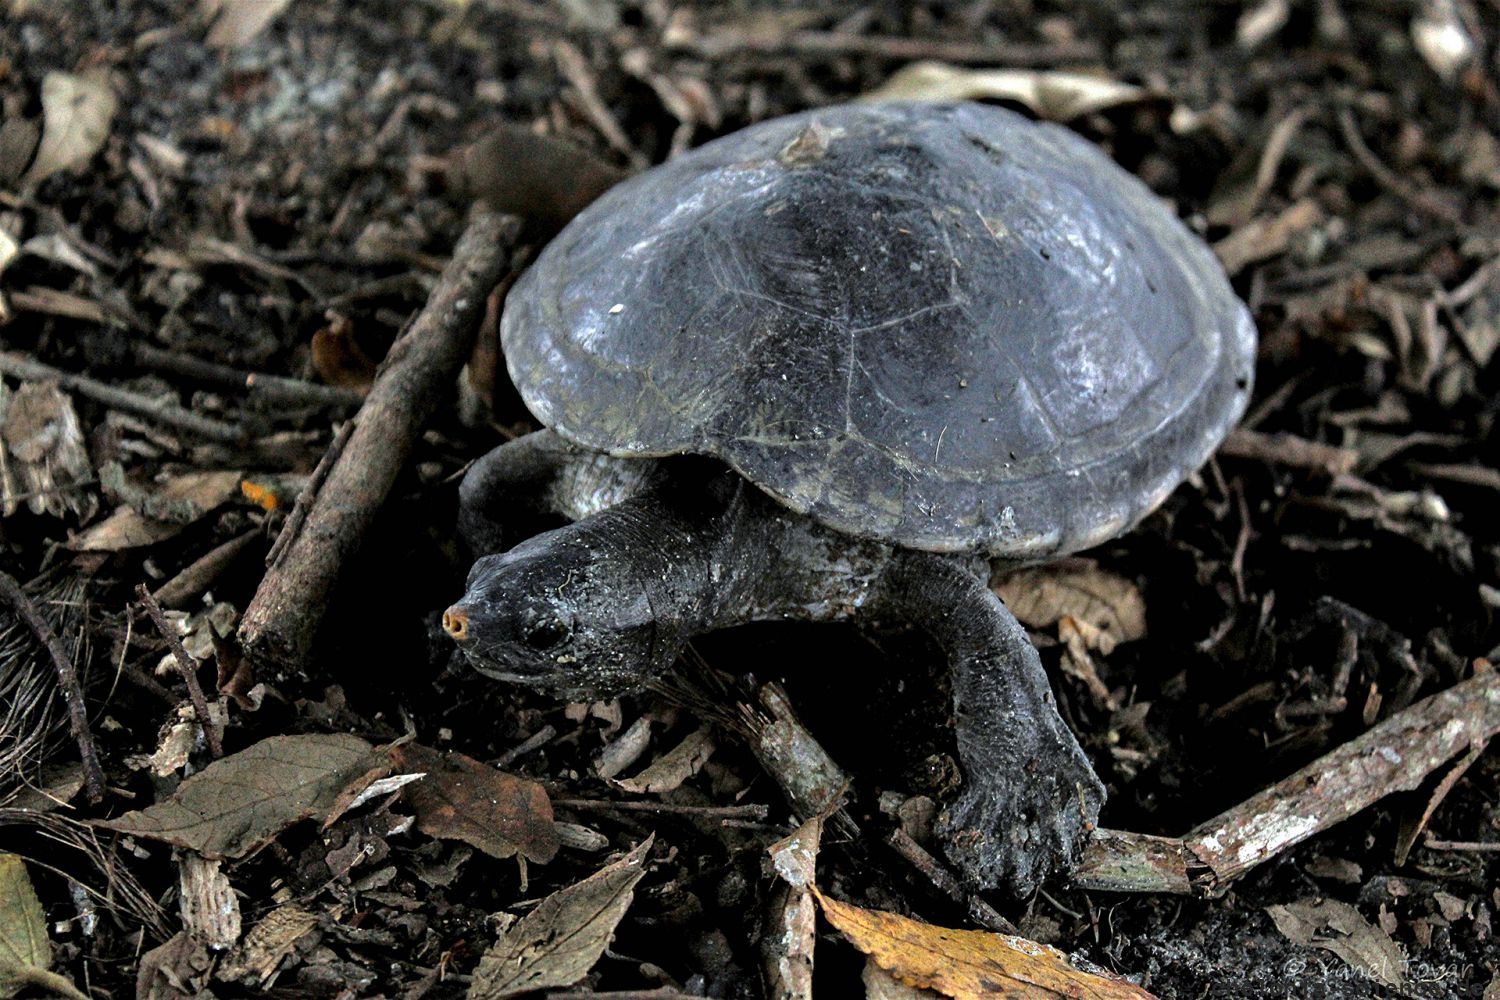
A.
pixel 557 943
pixel 241 802
pixel 460 798
pixel 223 217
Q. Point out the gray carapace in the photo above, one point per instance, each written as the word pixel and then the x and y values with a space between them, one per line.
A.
pixel 829 367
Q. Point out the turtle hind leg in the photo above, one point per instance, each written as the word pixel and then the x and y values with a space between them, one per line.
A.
pixel 1030 796
pixel 520 486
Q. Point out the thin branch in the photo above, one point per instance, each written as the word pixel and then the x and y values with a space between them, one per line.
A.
pixel 1388 178
pixel 1397 755
pixel 187 667
pixel 17 366
pixel 754 811
pixel 730 42
pixel 67 679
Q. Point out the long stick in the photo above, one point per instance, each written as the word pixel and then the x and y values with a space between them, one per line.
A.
pixel 416 376
pixel 1395 756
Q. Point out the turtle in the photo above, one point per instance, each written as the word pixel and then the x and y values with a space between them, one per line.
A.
pixel 843 364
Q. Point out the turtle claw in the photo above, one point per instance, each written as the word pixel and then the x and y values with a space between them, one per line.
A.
pixel 1012 829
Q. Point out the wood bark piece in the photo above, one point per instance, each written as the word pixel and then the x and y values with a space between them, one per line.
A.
pixel 1395 756
pixel 414 379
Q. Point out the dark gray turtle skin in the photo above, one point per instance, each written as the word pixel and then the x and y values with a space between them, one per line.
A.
pixel 832 366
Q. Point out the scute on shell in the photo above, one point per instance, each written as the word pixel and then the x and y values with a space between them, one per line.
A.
pixel 943 326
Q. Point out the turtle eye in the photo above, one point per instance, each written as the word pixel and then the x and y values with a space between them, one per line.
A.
pixel 546 633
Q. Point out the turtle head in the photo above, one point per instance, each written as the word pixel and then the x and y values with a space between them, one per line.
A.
pixel 565 612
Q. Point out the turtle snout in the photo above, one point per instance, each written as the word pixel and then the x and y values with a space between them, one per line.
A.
pixel 456 623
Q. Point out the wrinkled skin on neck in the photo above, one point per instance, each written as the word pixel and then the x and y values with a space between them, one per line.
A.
pixel 599 606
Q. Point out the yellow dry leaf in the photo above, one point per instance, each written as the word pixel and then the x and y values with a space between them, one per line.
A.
pixel 1057 96
pixel 970 965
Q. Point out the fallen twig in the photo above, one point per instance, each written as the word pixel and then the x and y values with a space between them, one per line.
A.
pixel 186 667
pixel 67 679
pixel 980 912
pixel 17 366
pixel 1388 178
pixel 200 575
pixel 731 42
pixel 753 811
pixel 660 993
pixel 272 389
pixel 288 607
pixel 1469 475
pixel 1460 845
pixel 535 741
pixel 1288 449
pixel 1265 237
pixel 1395 756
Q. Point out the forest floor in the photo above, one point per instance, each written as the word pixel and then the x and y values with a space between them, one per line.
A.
pixel 189 196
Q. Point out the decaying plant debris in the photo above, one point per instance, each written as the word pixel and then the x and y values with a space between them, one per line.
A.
pixel 216 220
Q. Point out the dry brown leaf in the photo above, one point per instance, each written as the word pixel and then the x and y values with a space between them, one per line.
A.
pixel 795 857
pixel 59 783
pixel 241 802
pixel 23 926
pixel 1053 95
pixel 338 359
pixel 1106 609
pixel 464 799
pixel 239 21
pixel 256 957
pixel 674 767
pixel 127 528
pixel 1077 639
pixel 970 965
pixel 557 943
pixel 1339 928
pixel 177 968
pixel 43 459
pixel 76 113
pixel 543 179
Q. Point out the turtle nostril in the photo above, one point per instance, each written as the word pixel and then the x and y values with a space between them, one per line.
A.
pixel 456 623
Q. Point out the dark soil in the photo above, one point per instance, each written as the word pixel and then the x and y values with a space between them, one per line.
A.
pixel 250 198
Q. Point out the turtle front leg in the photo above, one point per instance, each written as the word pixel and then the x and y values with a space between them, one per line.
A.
pixel 1030 797
pixel 505 493
pixel 508 494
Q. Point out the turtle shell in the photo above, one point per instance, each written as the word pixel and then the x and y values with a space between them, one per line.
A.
pixel 944 326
